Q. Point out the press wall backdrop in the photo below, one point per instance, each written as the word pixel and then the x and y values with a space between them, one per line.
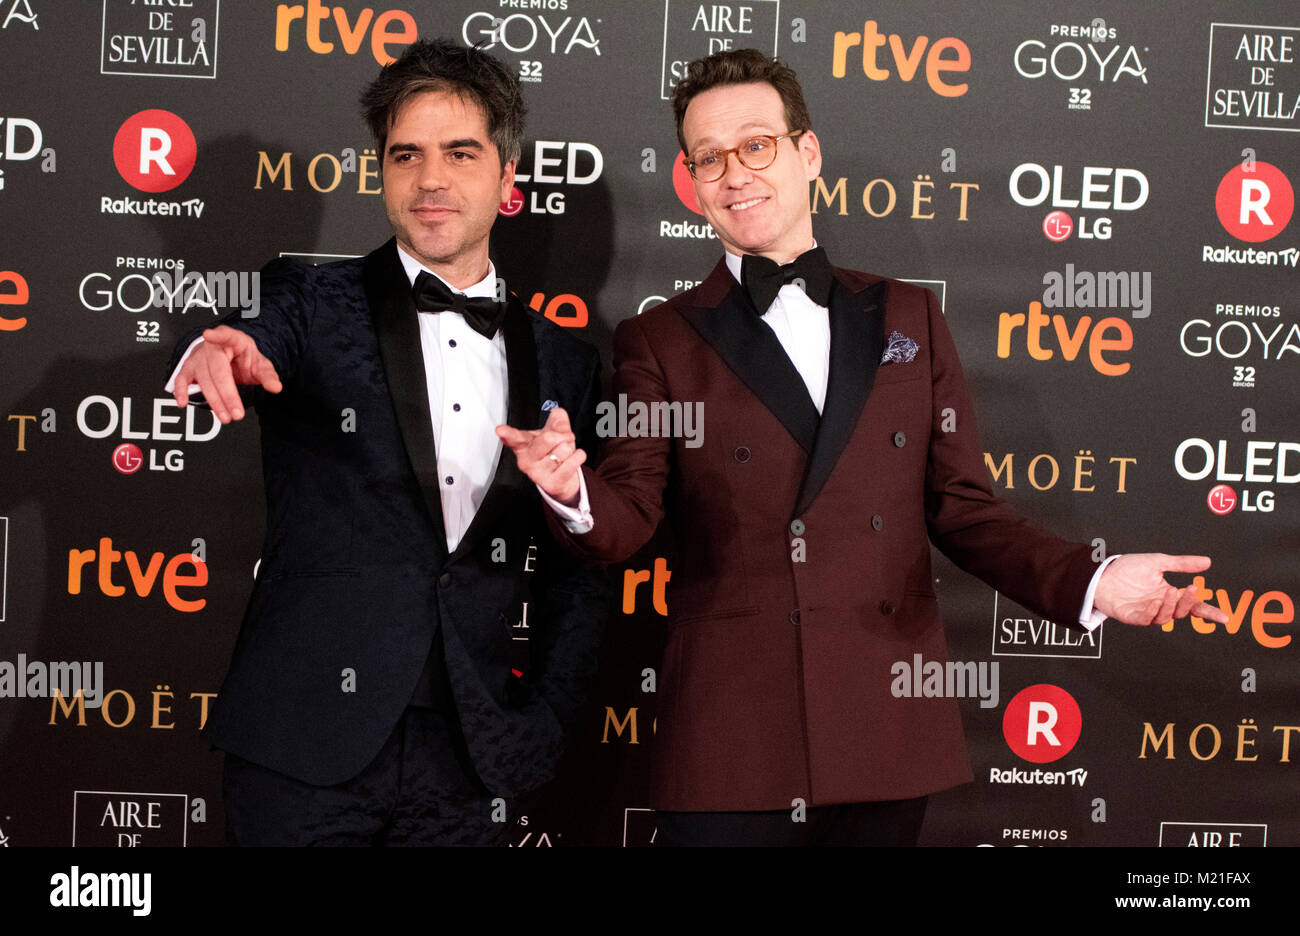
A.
pixel 1099 193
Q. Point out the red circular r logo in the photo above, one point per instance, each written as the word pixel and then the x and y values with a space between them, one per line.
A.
pixel 154 151
pixel 1042 723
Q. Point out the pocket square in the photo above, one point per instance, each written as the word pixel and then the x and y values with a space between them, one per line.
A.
pixel 899 349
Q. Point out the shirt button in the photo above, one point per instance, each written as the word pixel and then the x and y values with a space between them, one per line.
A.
pixel 887 607
pixel 451 342
pixel 877 522
pixel 455 407
pixel 899 439
pixel 450 480
pixel 741 454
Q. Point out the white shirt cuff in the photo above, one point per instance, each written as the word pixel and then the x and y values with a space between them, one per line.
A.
pixel 171 381
pixel 1089 616
pixel 577 520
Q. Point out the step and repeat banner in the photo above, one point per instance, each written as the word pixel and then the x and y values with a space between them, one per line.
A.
pixel 1100 194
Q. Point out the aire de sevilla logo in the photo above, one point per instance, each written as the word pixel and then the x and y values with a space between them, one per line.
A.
pixel 1254 202
pixel 154 151
pixel 1042 723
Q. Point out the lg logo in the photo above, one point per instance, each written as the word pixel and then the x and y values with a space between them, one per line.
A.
pixel 154 151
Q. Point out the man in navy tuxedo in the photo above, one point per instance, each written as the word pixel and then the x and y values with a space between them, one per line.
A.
pixel 370 699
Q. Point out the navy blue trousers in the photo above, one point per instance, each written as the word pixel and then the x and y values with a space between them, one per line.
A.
pixel 420 789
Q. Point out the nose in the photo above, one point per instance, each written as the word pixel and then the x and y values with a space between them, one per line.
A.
pixel 432 175
pixel 735 173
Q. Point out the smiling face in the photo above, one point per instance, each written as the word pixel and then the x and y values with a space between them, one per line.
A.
pixel 443 182
pixel 762 212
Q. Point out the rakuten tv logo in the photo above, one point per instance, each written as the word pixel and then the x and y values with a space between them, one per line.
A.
pixel 154 151
pixel 1042 723
pixel 683 185
pixel 1254 202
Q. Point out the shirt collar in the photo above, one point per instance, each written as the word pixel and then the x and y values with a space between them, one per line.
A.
pixel 734 261
pixel 486 287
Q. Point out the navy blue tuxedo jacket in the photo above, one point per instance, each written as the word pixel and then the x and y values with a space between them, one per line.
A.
pixel 355 576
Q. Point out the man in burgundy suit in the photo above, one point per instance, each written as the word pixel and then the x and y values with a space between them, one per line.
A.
pixel 840 441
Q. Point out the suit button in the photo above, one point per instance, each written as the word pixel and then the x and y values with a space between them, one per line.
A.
pixel 877 522
pixel 444 580
pixel 794 616
pixel 887 607
pixel 796 527
pixel 741 454
pixel 899 439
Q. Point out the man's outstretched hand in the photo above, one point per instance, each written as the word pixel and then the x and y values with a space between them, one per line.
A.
pixel 1133 590
pixel 549 456
pixel 225 358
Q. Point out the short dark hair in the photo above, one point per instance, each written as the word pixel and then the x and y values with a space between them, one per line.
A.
pixel 440 65
pixel 741 66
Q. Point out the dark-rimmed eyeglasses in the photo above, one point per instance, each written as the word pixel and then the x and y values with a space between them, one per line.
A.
pixel 758 152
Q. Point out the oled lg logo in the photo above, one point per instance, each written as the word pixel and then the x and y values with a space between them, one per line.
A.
pixel 22 142
pixel 1100 189
pixel 98 417
pixel 1266 463
pixel 552 162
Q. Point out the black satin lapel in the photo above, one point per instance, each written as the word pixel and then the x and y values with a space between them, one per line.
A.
pixel 388 292
pixel 754 354
pixel 857 341
pixel 523 412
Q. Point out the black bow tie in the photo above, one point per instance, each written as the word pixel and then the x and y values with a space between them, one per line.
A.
pixel 763 278
pixel 482 314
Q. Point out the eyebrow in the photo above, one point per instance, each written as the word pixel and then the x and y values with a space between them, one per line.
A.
pixel 467 143
pixel 750 129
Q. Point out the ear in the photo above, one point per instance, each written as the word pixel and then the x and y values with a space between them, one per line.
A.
pixel 810 154
pixel 507 180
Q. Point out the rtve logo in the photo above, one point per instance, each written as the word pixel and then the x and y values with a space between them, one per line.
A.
pixel 106 558
pixel 1254 201
pixel 17 297
pixel 1042 723
pixel 154 151
pixel 906 61
pixel 392 27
